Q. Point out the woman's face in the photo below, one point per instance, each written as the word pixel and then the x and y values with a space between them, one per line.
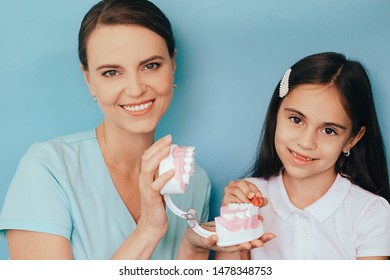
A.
pixel 312 130
pixel 131 75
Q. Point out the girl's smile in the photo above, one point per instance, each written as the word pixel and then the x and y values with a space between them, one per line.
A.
pixel 301 159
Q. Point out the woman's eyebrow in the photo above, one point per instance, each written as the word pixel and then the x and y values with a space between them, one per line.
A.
pixel 104 66
pixel 154 57
pixel 116 66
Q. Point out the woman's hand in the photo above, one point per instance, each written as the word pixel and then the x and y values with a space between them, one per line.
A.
pixel 153 222
pixel 153 218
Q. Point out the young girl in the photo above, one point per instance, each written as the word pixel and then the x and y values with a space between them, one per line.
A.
pixel 322 165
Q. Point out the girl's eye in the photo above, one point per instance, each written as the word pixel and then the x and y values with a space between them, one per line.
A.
pixel 151 66
pixel 296 120
pixel 110 73
pixel 329 131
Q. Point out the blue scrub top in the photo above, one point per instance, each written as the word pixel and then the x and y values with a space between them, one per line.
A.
pixel 63 187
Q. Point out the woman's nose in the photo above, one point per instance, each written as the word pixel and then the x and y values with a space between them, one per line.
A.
pixel 134 85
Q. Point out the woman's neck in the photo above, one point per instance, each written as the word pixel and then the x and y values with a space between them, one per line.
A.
pixel 122 149
pixel 305 191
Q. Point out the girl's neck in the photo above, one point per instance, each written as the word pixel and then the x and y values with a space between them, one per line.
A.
pixel 121 148
pixel 305 191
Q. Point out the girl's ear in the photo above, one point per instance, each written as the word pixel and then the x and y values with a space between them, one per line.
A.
pixel 88 80
pixel 354 140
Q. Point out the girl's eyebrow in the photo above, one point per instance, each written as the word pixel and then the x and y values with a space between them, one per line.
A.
pixel 116 66
pixel 325 123
pixel 295 111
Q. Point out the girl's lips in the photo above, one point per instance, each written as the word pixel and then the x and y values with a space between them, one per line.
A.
pixel 300 157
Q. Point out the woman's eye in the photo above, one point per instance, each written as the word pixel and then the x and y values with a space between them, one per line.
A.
pixel 296 120
pixel 151 66
pixel 329 131
pixel 110 73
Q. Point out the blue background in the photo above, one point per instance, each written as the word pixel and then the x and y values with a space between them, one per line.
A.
pixel 231 55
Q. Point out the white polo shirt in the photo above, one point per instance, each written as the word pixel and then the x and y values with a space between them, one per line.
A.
pixel 345 223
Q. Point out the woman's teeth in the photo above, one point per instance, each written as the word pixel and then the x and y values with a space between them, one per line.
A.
pixel 137 108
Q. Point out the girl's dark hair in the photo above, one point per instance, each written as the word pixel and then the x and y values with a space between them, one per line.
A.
pixel 366 166
pixel 113 12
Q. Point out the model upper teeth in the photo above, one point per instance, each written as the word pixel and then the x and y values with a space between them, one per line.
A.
pixel 188 164
pixel 138 107
pixel 296 155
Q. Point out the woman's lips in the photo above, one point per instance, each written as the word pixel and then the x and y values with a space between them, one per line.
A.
pixel 139 108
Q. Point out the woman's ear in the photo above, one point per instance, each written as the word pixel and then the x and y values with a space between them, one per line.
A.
pixel 173 63
pixel 88 80
pixel 354 140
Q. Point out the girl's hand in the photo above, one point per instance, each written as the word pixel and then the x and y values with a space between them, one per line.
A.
pixel 242 191
pixel 153 217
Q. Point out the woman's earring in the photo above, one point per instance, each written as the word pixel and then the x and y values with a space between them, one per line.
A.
pixel 174 85
pixel 94 99
pixel 347 153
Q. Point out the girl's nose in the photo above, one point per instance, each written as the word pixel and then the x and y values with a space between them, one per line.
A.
pixel 308 140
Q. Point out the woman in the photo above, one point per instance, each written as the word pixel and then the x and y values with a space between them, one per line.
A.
pixel 95 195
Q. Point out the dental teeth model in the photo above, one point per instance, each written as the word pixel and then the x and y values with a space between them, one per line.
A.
pixel 238 222
pixel 182 160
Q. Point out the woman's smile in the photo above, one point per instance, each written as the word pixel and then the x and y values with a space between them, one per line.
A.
pixel 138 109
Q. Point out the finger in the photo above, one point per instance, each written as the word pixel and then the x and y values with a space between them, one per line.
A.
pixel 160 182
pixel 210 241
pixel 210 226
pixel 250 190
pixel 263 201
pixel 235 248
pixel 157 146
pixel 153 156
pixel 253 189
pixel 257 243
pixel 267 237
pixel 233 193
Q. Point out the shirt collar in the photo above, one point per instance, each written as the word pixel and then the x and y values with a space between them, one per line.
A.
pixel 321 209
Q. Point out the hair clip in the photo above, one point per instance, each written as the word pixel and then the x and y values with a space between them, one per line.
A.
pixel 283 87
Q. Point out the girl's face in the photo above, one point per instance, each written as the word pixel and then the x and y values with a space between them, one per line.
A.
pixel 312 130
pixel 131 75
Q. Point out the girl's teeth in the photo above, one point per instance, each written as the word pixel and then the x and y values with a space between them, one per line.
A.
pixel 296 155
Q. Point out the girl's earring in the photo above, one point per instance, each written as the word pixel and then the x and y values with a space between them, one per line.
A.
pixel 347 153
